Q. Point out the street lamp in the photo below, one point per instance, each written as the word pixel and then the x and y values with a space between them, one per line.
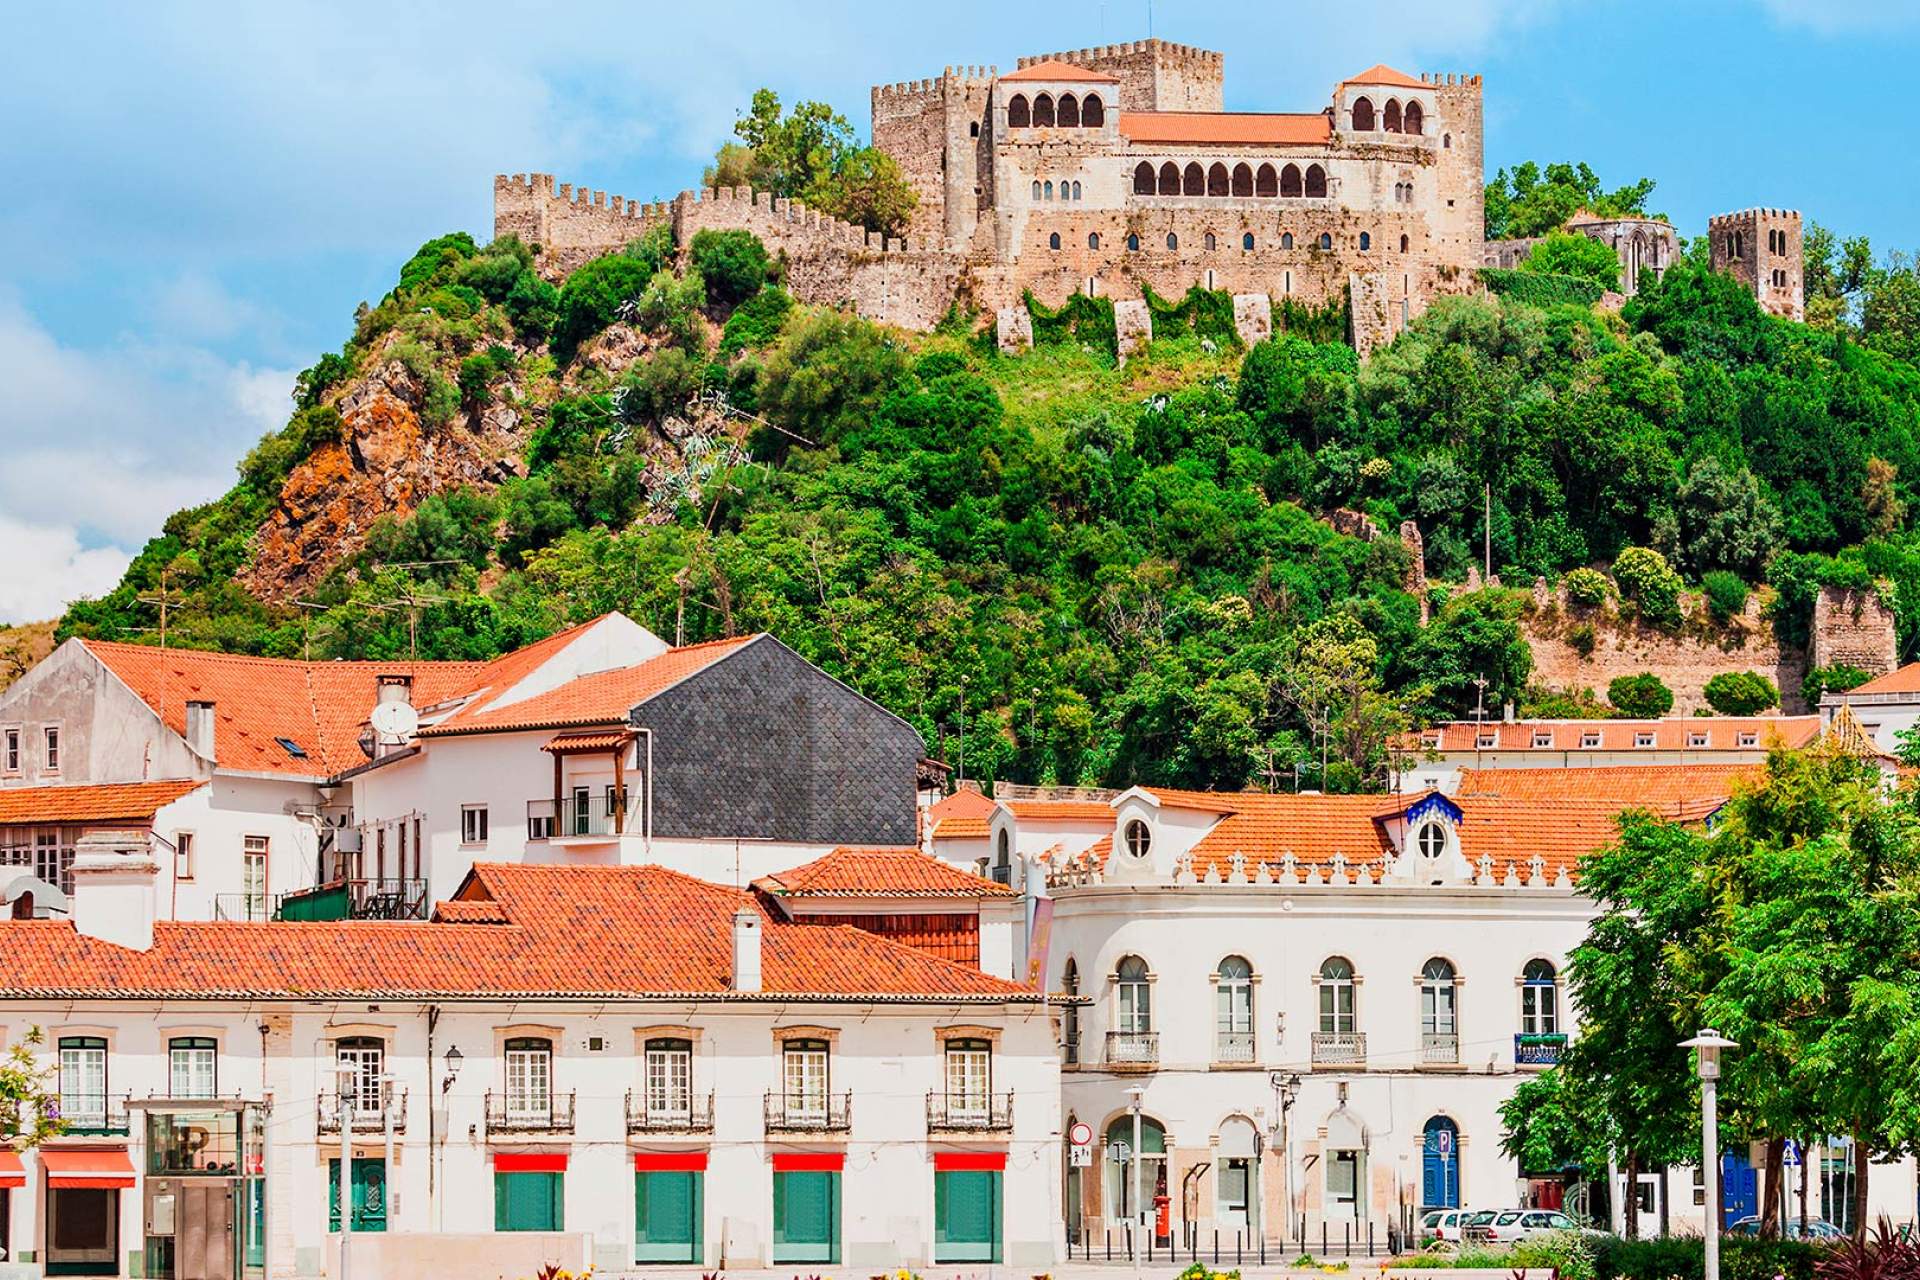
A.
pixel 1286 1088
pixel 1707 1046
pixel 1133 1167
pixel 454 1058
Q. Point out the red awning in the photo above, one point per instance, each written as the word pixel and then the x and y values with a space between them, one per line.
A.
pixel 604 740
pixel 12 1172
pixel 809 1161
pixel 969 1161
pixel 670 1162
pixel 104 1168
pixel 529 1162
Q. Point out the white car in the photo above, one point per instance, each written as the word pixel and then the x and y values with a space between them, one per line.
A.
pixel 1443 1224
pixel 1504 1226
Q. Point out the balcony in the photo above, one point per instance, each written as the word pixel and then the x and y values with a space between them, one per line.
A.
pixel 809 1113
pixel 1339 1048
pixel 692 1116
pixel 518 1113
pixel 90 1115
pixel 252 908
pixel 1233 1046
pixel 364 1119
pixel 969 1112
pixel 364 898
pixel 1133 1048
pixel 1439 1049
pixel 596 821
pixel 1538 1049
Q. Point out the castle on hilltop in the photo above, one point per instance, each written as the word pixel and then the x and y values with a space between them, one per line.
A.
pixel 1113 170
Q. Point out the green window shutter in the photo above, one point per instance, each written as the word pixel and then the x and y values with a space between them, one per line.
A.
pixel 666 1216
pixel 806 1217
pixel 966 1215
pixel 527 1202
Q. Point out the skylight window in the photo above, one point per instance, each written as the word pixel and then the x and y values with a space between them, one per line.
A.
pixel 292 748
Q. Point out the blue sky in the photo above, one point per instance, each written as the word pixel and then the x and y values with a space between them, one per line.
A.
pixel 200 194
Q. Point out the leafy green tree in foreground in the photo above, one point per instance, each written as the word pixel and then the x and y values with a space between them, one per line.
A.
pixel 1566 254
pixel 28 1111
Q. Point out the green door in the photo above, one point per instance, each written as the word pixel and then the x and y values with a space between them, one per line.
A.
pixel 527 1202
pixel 806 1216
pixel 369 1195
pixel 966 1215
pixel 666 1216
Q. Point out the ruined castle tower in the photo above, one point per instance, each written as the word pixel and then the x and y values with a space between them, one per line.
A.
pixel 1761 248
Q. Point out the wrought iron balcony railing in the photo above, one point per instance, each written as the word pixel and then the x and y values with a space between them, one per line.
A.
pixel 969 1112
pixel 692 1114
pixel 365 1118
pixel 809 1112
pixel 529 1113
pixel 1339 1048
pixel 90 1114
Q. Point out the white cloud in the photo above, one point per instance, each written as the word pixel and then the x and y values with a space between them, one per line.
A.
pixel 47 568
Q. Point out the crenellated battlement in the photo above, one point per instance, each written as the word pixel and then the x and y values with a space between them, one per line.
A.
pixel 1450 79
pixel 1205 57
pixel 951 78
pixel 1747 215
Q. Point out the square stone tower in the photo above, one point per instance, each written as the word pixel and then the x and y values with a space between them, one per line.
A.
pixel 1762 249
pixel 1154 75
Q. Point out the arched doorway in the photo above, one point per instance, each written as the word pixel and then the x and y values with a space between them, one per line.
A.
pixel 1237 1194
pixel 1120 1158
pixel 1440 1165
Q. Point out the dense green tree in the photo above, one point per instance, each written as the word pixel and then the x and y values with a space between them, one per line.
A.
pixel 1531 201
pixel 1569 254
pixel 1644 697
pixel 1741 693
pixel 733 264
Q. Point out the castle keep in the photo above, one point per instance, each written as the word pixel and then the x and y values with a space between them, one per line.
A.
pixel 1112 170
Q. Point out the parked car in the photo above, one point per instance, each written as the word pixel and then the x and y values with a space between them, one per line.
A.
pixel 1443 1225
pixel 1504 1226
pixel 1817 1229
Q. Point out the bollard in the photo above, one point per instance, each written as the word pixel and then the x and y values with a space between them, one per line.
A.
pixel 1369 1237
pixel 1109 1244
pixel 1346 1244
pixel 1323 1237
pixel 1216 1246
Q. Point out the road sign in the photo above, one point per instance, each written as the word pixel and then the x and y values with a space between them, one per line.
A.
pixel 1080 1134
pixel 1791 1156
pixel 1443 1143
pixel 1119 1152
pixel 1079 1157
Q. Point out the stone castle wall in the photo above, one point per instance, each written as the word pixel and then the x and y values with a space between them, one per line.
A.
pixel 1154 75
pixel 1762 249
pixel 1854 628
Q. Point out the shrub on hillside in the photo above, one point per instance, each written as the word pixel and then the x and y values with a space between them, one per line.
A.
pixel 1726 594
pixel 670 305
pixel 1643 696
pixel 1564 253
pixel 1741 693
pixel 1833 679
pixel 756 322
pixel 733 263
pixel 593 295
pixel 1587 586
pixel 1650 582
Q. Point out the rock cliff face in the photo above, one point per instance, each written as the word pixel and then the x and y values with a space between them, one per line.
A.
pixel 388 461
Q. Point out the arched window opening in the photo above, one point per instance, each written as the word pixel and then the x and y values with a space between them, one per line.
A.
pixel 1286 239
pixel 1169 179
pixel 1093 239
pixel 1143 179
pixel 1193 180
pixel 1242 179
pixel 1363 115
pixel 1173 241
pixel 1036 189
pixel 1070 1014
pixel 1326 240
pixel 1133 1014
pixel 1440 1165
pixel 1290 180
pixel 1403 244
pixel 1336 997
pixel 1093 113
pixel 1413 120
pixel 1366 242
pixel 1133 243
pixel 1151 1151
pixel 1539 999
pixel 1246 241
pixel 1053 242
pixel 1266 182
pixel 1233 1011
pixel 1019 115
pixel 1238 1198
pixel 1208 242
pixel 1049 188
pixel 1043 111
pixel 1316 182
pixel 1390 118
pixel 1218 183
pixel 1076 191
pixel 1439 1030
pixel 1446 142
pixel 1067 115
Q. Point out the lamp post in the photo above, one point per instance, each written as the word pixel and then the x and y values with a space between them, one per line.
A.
pixel 386 1169
pixel 1286 1088
pixel 1707 1046
pixel 349 1074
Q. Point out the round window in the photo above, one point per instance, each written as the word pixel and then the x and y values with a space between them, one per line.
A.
pixel 1432 840
pixel 1139 838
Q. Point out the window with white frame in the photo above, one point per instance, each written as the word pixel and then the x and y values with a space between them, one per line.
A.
pixel 1643 738
pixel 1336 997
pixel 1135 997
pixel 1749 739
pixel 367 1057
pixel 669 1079
pixel 1486 739
pixel 803 1071
pixel 969 1079
pixel 529 1079
pixel 183 855
pixel 1139 838
pixel 1233 1011
pixel 190 1066
pixel 1542 738
pixel 53 748
pixel 473 824
pixel 83 1081
pixel 1437 1022
pixel 10 750
pixel 1590 741
pixel 1696 739
pixel 253 876
pixel 1539 999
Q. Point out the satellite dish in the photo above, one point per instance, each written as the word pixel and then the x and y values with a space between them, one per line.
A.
pixel 395 719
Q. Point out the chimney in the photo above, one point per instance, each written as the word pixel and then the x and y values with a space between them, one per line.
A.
pixel 746 949
pixel 114 872
pixel 200 729
pixel 1507 713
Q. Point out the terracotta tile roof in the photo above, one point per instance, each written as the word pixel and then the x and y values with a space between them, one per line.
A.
pixel 1232 128
pixel 882 872
pixel 107 802
pixel 1052 69
pixel 1381 73
pixel 1675 733
pixel 1658 787
pixel 960 829
pixel 570 933
pixel 604 697
pixel 1205 801
pixel 963 803
pixel 458 911
pixel 588 741
pixel 1901 680
pixel 1060 810
pixel 317 706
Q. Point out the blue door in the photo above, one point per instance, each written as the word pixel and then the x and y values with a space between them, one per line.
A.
pixel 1739 1186
pixel 1440 1165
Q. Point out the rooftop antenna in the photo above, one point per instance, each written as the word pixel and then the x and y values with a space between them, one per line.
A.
pixel 164 600
pixel 1149 19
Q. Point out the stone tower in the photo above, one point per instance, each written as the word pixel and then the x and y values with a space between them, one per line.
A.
pixel 1761 248
pixel 940 133
pixel 1154 75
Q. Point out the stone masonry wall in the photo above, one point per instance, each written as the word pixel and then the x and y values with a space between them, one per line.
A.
pixel 1742 248
pixel 1154 75
pixel 1856 629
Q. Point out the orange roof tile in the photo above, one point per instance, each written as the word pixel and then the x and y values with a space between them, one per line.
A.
pixel 107 802
pixel 606 741
pixel 604 697
pixel 888 871
pixel 1232 128
pixel 1656 787
pixel 569 933
pixel 1060 810
pixel 1901 680
pixel 1381 73
pixel 960 829
pixel 1674 733
pixel 1053 69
